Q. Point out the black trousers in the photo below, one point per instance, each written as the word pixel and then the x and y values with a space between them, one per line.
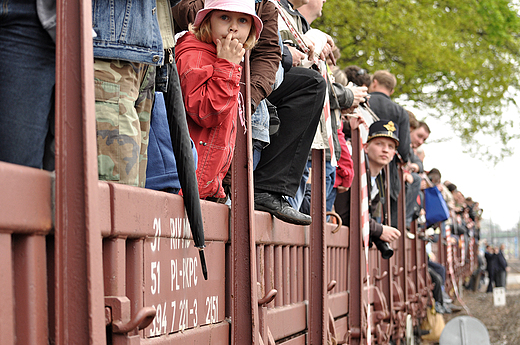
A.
pixel 437 286
pixel 342 207
pixel 491 275
pixel 299 103
pixel 500 278
pixel 439 269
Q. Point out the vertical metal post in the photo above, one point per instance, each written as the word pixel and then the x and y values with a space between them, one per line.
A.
pixel 356 257
pixel 401 202
pixel 317 312
pixel 386 285
pixel 413 260
pixel 244 315
pixel 79 307
pixel 441 254
pixel 386 265
pixel 422 260
pixel 402 262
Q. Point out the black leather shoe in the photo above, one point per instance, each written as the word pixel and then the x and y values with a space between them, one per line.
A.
pixel 280 208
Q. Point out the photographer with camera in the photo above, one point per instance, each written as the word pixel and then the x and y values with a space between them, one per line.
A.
pixel 380 149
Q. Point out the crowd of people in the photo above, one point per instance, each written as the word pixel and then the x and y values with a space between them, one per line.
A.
pixel 300 100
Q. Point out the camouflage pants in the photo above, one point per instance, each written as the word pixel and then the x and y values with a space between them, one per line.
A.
pixel 124 94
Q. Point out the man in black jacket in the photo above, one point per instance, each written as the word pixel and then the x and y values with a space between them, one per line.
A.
pixel 491 266
pixel 380 90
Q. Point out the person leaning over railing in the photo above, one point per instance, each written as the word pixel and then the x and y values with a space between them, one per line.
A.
pixel 475 213
pixel 208 59
pixel 380 149
pixel 380 90
pixel 341 97
pixel 413 170
pixel 297 101
pixel 265 59
pixel 345 169
pixel 338 179
pixel 460 223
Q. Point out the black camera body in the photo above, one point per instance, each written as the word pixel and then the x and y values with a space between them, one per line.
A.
pixel 383 247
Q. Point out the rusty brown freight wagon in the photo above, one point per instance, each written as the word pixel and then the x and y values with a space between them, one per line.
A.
pixel 90 262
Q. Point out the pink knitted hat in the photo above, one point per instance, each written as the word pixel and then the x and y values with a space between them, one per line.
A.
pixel 241 6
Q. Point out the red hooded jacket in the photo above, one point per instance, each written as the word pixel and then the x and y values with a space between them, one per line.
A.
pixel 210 88
pixel 345 168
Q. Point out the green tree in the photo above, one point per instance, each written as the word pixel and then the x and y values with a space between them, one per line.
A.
pixel 459 58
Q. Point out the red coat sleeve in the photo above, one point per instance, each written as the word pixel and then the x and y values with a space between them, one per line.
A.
pixel 210 85
pixel 345 168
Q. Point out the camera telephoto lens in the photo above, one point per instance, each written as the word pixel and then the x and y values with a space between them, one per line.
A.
pixel 384 248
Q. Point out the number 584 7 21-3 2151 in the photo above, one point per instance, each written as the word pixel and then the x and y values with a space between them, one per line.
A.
pixel 183 314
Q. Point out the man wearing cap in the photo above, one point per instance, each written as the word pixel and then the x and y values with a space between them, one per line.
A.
pixel 380 148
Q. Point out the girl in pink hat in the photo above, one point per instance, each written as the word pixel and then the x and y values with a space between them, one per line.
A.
pixel 208 60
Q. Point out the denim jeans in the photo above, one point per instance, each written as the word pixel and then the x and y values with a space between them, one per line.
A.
pixel 27 69
pixel 257 153
pixel 330 191
pixel 330 179
pixel 297 200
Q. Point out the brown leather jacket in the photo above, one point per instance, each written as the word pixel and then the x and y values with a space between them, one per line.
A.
pixel 265 56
